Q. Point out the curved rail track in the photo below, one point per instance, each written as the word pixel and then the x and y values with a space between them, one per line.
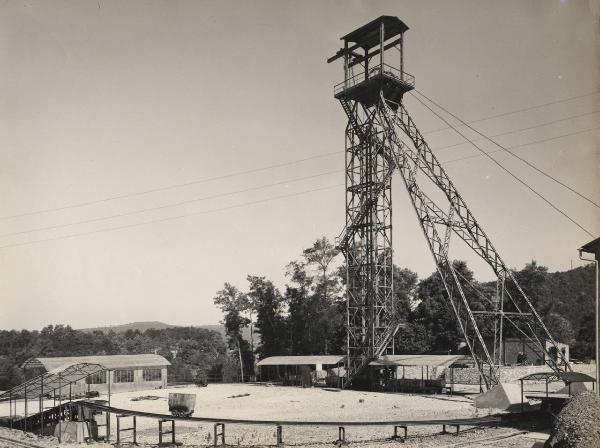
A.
pixel 478 421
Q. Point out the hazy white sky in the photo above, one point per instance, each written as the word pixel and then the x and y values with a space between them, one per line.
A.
pixel 106 98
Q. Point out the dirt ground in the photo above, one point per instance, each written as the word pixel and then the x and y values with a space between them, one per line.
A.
pixel 261 402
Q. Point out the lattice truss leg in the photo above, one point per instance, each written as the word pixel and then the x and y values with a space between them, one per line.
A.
pixel 367 240
pixel 374 151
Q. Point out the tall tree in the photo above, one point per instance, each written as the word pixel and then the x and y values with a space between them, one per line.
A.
pixel 269 316
pixel 435 313
pixel 316 315
pixel 234 303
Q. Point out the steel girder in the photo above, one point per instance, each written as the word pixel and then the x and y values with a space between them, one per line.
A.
pixel 421 158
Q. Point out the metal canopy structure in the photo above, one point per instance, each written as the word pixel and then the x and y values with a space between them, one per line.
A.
pixel 566 377
pixel 377 118
pixel 53 381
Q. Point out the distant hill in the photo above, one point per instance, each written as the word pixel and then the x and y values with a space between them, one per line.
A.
pixel 155 325
pixel 141 326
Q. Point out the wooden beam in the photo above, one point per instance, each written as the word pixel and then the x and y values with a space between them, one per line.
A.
pixel 342 51
pixel 361 58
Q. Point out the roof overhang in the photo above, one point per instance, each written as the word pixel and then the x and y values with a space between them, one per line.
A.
pixel 567 377
pixel 593 247
pixel 300 360
pixel 367 36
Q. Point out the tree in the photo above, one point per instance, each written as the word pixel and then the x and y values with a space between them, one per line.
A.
pixel 435 313
pixel 315 312
pixel 560 328
pixel 533 280
pixel 233 303
pixel 584 346
pixel 405 284
pixel 269 317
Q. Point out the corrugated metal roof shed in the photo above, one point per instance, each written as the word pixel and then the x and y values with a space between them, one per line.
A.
pixel 109 361
pixel 419 360
pixel 300 360
pixel 55 379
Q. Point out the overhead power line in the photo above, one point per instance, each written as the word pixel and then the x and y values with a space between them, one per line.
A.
pixel 476 156
pixel 548 123
pixel 161 207
pixel 103 218
pixel 525 161
pixel 171 187
pixel 259 169
pixel 504 114
pixel 171 218
pixel 517 178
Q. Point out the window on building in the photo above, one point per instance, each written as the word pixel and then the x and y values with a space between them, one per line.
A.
pixel 96 378
pixel 152 375
pixel 123 376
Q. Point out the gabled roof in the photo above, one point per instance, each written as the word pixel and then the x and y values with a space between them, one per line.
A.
pixel 300 360
pixel 110 362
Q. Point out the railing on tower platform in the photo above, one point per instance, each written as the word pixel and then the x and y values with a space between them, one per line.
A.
pixel 386 70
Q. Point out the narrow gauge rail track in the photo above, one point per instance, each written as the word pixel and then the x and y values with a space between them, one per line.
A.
pixel 19 443
pixel 478 421
pixel 485 440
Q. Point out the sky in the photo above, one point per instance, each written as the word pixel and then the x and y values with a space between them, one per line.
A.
pixel 222 114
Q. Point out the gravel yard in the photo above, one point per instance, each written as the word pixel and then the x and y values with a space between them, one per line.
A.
pixel 261 402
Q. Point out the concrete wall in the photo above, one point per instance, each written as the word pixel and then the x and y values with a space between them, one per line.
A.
pixel 138 383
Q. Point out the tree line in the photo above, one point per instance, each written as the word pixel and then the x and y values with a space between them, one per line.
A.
pixel 196 354
pixel 308 316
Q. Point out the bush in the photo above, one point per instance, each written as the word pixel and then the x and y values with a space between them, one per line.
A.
pixel 577 424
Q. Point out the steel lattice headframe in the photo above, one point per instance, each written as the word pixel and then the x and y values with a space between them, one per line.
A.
pixel 372 101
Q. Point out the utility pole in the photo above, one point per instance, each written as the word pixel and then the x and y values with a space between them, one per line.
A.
pixel 593 247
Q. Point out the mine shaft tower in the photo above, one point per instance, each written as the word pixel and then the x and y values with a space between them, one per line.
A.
pixel 371 96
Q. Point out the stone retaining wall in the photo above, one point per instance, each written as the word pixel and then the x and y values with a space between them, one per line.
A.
pixel 508 374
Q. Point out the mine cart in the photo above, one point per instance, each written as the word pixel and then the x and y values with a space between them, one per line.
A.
pixel 182 405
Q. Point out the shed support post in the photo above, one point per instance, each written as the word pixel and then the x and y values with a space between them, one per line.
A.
pixel 59 409
pixel 381 40
pixel 42 405
pixel 108 412
pixel 10 409
pixel 279 435
pixel 25 421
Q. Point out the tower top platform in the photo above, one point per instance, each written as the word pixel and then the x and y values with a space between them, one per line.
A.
pixel 374 63
pixel 368 36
